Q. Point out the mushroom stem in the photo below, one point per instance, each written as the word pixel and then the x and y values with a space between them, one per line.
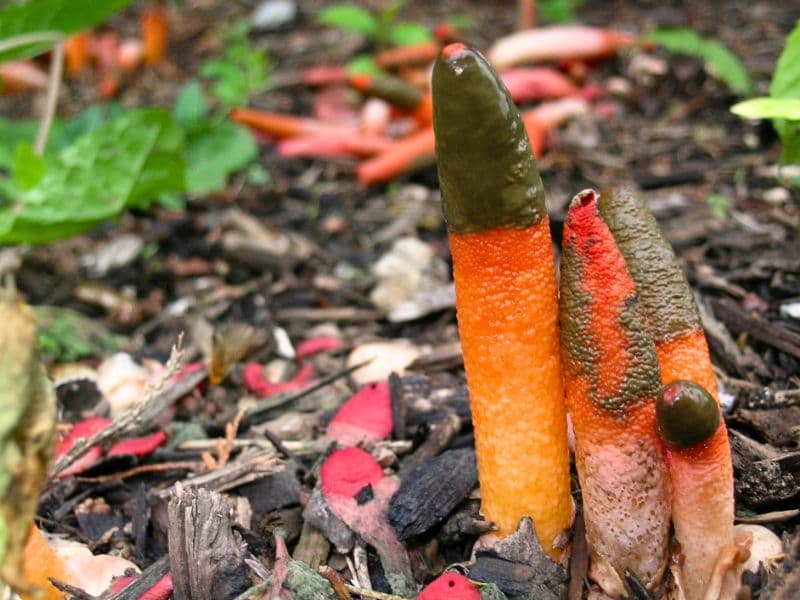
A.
pixel 612 381
pixel 506 298
pixel 702 476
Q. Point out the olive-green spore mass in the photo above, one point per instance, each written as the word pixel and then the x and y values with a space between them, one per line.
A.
pixel 686 414
pixel 488 179
pixel 660 280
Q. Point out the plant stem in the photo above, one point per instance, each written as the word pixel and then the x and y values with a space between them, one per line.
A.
pixel 27 39
pixel 53 87
pixel 56 71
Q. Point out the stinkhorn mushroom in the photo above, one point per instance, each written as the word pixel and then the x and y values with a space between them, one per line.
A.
pixel 506 298
pixel 612 381
pixel 702 476
pixel 576 42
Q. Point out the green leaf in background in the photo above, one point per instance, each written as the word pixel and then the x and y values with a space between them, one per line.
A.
pixel 62 133
pixel 409 32
pixel 768 108
pixel 214 153
pixel 66 335
pixel 120 162
pixel 14 133
pixel 349 18
pixel 786 84
pixel 64 16
pixel 720 61
pixel 241 72
pixel 164 170
pixel 558 11
pixel 719 205
pixel 786 79
pixel 191 109
pixel 363 64
pixel 29 167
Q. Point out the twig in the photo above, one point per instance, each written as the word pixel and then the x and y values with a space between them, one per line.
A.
pixel 777 516
pixel 53 87
pixel 75 593
pixel 181 465
pixel 153 396
pixel 145 581
pixel 371 593
pixel 256 412
pixel 27 39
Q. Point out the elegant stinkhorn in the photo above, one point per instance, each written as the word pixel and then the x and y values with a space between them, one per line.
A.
pixel 556 42
pixel 334 144
pixel 506 298
pixel 419 54
pixel 612 381
pixel 155 33
pixel 279 125
pixel 394 90
pixel 411 152
pixel 397 92
pixel 536 83
pixel 702 476
pixel 77 52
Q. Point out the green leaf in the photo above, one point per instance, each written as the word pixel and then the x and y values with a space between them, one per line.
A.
pixel 363 64
pixel 164 169
pixel 789 132
pixel 13 133
pixel 719 61
pixel 62 133
pixel 65 16
pixel 768 108
pixel 719 205
pixel 241 72
pixel 349 18
pixel 191 110
pixel 67 335
pixel 409 32
pixel 558 11
pixel 786 79
pixel 725 66
pixel 119 163
pixel 215 153
pixel 29 167
pixel 461 21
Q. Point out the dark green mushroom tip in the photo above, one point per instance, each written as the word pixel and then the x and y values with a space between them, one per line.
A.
pixel 487 171
pixel 686 414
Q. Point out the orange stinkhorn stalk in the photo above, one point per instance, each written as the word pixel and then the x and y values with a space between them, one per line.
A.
pixel 556 42
pixel 280 125
pixel 535 83
pixel 702 476
pixel 407 154
pixel 506 297
pixel 155 33
pixel 422 53
pixel 612 381
pixel 334 144
pixel 77 52
pixel 547 116
pixel 21 76
pixel 397 92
